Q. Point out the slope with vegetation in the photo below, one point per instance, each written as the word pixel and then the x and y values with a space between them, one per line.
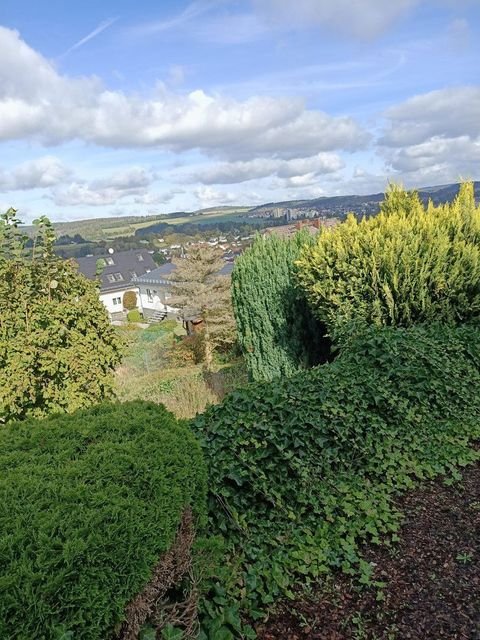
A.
pixel 305 465
pixel 304 469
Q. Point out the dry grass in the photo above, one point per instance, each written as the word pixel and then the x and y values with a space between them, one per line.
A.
pixel 185 389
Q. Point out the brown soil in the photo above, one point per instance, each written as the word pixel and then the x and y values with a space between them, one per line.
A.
pixel 173 565
pixel 432 578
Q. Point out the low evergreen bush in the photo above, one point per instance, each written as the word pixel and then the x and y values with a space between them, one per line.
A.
pixel 304 469
pixel 89 502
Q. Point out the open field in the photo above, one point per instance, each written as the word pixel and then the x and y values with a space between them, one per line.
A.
pixel 116 227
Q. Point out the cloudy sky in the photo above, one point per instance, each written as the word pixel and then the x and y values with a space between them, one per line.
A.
pixel 121 107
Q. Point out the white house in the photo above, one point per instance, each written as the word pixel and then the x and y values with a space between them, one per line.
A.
pixel 154 289
pixel 118 272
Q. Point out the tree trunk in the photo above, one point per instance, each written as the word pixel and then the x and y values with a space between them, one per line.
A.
pixel 208 345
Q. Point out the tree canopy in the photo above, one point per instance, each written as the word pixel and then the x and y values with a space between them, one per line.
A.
pixel 409 264
pixel 57 347
pixel 204 294
pixel 276 330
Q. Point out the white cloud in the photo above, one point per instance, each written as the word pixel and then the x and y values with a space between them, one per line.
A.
pixel 36 174
pixel 447 112
pixel 157 198
pixel 241 171
pixel 434 137
pixel 105 191
pixel 101 27
pixel 191 12
pixel 38 103
pixel 363 19
pixel 210 197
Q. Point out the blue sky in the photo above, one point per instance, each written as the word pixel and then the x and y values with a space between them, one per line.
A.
pixel 132 108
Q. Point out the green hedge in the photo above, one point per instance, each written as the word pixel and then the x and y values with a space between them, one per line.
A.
pixel 88 504
pixel 304 468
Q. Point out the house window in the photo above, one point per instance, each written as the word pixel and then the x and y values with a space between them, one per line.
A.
pixel 109 261
pixel 133 274
pixel 118 277
pixel 139 257
pixel 117 301
pixel 110 277
pixel 149 295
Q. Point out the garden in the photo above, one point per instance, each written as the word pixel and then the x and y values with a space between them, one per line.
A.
pixel 324 485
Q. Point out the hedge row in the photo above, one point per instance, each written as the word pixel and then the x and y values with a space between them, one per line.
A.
pixel 304 468
pixel 88 504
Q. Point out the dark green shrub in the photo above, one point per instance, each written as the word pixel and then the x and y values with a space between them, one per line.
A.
pixel 129 300
pixel 276 330
pixel 304 468
pixel 134 316
pixel 88 504
pixel 410 264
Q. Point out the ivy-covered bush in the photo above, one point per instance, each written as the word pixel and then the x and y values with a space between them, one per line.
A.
pixel 276 330
pixel 304 468
pixel 409 264
pixel 89 502
pixel 58 349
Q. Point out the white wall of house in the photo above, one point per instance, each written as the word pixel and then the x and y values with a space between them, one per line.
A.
pixel 114 301
pixel 154 299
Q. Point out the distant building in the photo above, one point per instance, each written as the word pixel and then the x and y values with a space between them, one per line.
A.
pixel 312 226
pixel 118 272
pixel 155 290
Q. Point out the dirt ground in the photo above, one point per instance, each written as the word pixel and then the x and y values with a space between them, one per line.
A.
pixel 431 576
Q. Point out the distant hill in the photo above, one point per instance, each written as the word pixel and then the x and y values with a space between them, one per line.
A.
pixel 98 229
pixel 333 206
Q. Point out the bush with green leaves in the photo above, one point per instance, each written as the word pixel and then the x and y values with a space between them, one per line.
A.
pixel 134 316
pixel 410 264
pixel 276 330
pixel 304 469
pixel 89 502
pixel 58 349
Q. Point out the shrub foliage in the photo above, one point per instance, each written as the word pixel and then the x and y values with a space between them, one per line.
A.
pixel 57 347
pixel 89 502
pixel 276 330
pixel 129 300
pixel 409 264
pixel 304 468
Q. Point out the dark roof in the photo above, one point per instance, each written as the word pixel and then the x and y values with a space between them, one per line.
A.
pixel 157 276
pixel 160 275
pixel 127 265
